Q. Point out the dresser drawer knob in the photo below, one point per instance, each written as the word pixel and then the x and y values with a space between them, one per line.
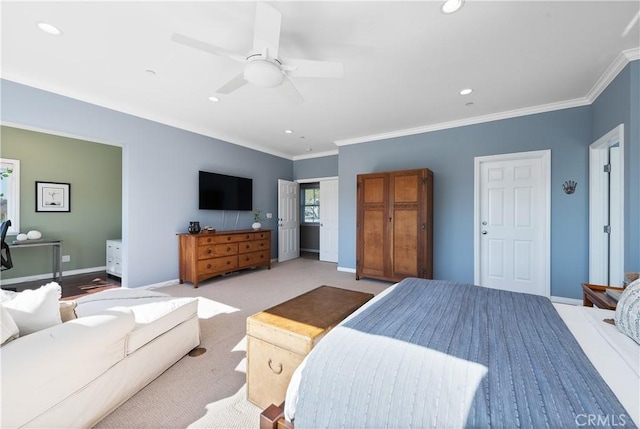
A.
pixel 246 246
pixel 228 262
pixel 278 371
pixel 228 249
pixel 209 251
pixel 208 240
pixel 208 265
pixel 228 238
pixel 246 258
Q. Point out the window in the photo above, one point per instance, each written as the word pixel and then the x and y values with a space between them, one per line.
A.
pixel 10 193
pixel 310 199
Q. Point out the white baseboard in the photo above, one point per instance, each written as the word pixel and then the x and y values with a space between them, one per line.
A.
pixel 563 300
pixel 49 276
pixel 347 270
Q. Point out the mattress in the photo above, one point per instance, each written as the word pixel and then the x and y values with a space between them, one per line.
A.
pixel 615 356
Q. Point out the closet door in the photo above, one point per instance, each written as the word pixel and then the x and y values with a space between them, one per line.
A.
pixel 410 223
pixel 372 241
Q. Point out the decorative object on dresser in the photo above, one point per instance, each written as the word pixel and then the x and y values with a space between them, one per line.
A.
pixel 394 231
pixel 114 257
pixel 257 218
pixel 194 227
pixel 279 338
pixel 211 254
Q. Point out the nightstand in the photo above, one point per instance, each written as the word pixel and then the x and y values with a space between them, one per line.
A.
pixel 595 295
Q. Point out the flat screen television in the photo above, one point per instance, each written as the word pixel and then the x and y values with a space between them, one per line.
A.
pixel 222 192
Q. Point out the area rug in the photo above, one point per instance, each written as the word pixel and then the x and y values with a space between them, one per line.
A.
pixel 96 285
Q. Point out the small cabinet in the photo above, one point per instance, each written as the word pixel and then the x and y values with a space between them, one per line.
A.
pixel 114 257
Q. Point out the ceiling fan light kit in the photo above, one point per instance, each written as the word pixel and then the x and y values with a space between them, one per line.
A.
pixel 263 73
pixel 451 6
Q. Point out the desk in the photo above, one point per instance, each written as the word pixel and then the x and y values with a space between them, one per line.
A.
pixel 57 252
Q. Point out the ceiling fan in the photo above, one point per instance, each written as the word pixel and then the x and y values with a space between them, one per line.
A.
pixel 262 65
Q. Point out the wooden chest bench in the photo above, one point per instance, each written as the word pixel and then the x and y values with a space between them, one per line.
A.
pixel 280 337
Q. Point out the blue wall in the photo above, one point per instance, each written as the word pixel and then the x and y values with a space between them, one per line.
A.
pixel 450 155
pixel 160 174
pixel 618 104
pixel 326 166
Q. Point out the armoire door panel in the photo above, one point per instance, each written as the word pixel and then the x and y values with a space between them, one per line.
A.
pixel 406 188
pixel 374 190
pixel 405 244
pixel 373 242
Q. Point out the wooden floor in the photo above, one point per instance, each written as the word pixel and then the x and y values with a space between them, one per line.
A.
pixel 70 284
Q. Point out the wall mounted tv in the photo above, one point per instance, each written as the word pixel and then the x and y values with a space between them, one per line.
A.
pixel 221 192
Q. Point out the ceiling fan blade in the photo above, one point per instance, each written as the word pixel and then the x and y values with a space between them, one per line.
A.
pixel 206 47
pixel 289 92
pixel 311 68
pixel 235 83
pixel 266 33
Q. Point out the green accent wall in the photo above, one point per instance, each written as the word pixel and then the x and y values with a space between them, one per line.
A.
pixel 95 173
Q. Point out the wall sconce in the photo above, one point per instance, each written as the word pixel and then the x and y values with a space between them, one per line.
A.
pixel 569 187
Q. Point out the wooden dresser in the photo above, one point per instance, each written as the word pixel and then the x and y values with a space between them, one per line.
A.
pixel 211 254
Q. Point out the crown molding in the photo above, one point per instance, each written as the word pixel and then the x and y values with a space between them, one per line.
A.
pixel 609 75
pixel 315 155
pixel 612 71
pixel 469 121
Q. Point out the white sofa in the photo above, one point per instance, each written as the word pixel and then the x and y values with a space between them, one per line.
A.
pixel 73 374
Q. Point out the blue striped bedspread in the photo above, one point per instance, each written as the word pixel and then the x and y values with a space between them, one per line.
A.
pixel 439 354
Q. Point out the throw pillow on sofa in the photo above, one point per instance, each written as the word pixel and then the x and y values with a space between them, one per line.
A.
pixel 34 310
pixel 628 311
pixel 9 327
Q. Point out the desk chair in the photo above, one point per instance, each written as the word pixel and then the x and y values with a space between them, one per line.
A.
pixel 5 254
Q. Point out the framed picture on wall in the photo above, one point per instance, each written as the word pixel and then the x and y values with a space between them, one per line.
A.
pixel 53 197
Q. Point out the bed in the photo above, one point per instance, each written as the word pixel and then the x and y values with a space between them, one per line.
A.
pixel 439 354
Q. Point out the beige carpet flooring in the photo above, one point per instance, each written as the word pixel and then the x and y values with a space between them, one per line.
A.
pixel 209 391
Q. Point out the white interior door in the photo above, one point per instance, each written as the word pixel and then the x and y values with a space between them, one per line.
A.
pixel 288 220
pixel 329 220
pixel 606 209
pixel 512 222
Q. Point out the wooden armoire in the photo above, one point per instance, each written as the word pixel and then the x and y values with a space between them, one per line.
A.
pixel 395 225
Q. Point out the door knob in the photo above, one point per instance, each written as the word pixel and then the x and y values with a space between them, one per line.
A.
pixel 484 232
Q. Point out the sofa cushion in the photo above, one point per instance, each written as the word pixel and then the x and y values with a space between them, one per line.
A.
pixel 9 327
pixel 155 312
pixel 34 310
pixel 155 318
pixel 68 310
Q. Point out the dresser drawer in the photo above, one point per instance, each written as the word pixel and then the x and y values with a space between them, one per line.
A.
pixel 253 246
pixel 232 238
pixel 252 259
pixel 206 252
pixel 216 265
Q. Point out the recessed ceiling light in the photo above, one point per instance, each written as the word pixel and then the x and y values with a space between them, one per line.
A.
pixel 48 28
pixel 451 6
pixel 214 98
pixel 466 91
pixel 469 104
pixel 288 131
pixel 309 149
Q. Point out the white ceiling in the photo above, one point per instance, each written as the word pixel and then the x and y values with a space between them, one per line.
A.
pixel 404 63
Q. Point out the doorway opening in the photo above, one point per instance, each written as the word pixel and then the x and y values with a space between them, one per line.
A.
pixel 606 209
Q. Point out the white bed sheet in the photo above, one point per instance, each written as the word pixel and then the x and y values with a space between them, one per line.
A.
pixel 614 355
